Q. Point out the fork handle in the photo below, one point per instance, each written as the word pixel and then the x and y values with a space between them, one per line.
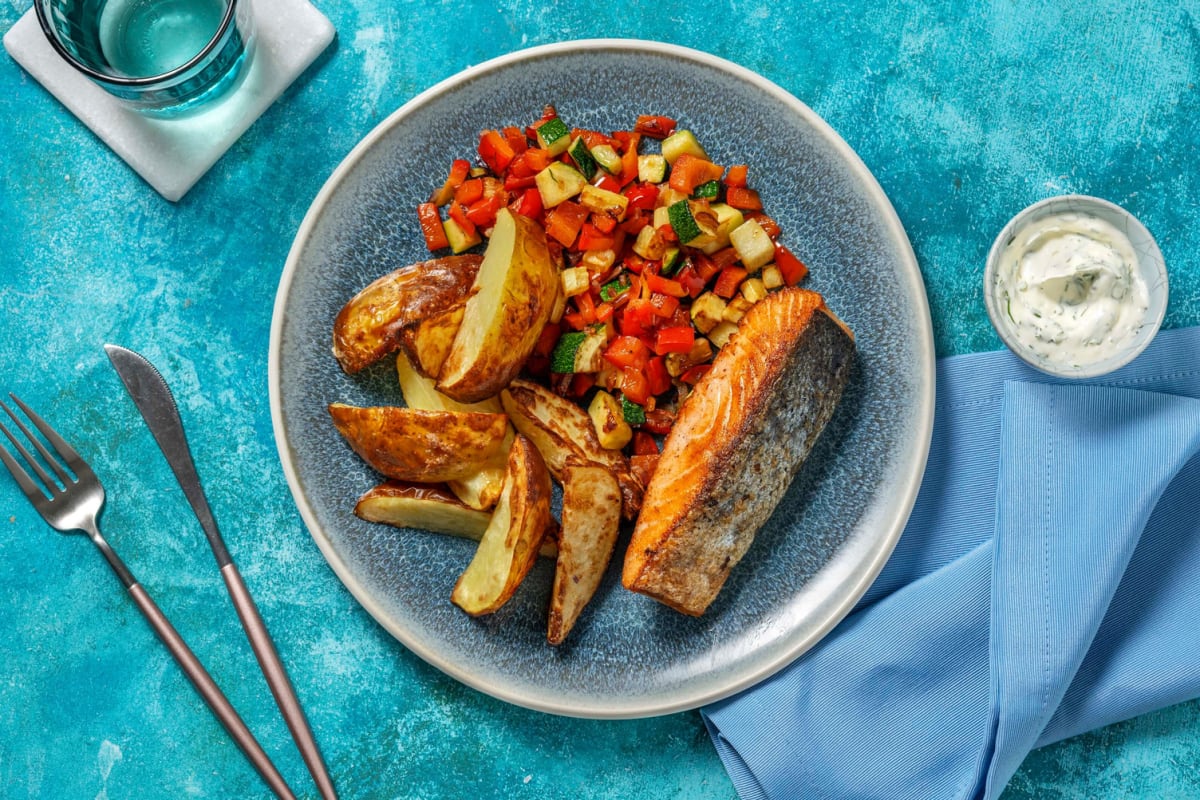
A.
pixel 209 690
pixel 277 679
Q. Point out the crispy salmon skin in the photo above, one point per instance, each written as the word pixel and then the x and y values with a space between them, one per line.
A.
pixel 739 439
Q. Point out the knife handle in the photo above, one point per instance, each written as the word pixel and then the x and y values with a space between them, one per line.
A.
pixel 277 679
pixel 208 689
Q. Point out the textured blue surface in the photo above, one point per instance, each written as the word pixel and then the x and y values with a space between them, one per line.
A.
pixel 966 112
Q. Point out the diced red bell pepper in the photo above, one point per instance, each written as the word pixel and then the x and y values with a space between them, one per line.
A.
pixel 607 182
pixel 634 385
pixel 706 268
pixel 516 139
pixel 693 374
pixel 642 195
pixel 659 421
pixel 742 198
pixel 725 257
pixel 459 170
pixel 483 211
pixel 581 383
pixel 495 151
pixel 658 380
pixel 655 126
pixel 603 223
pixel 627 351
pixel 677 339
pixel 737 175
pixel 564 221
pixel 590 238
pixel 690 280
pixel 688 172
pixel 587 307
pixel 459 215
pixel 644 444
pixel 792 268
pixel 629 161
pixel 431 226
pixel 728 281
pixel 658 283
pixel 529 203
pixel 468 191
pixel 664 306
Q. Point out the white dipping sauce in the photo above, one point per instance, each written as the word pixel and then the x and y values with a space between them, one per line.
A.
pixel 1070 286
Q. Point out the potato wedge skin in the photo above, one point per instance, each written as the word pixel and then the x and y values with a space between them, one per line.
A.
pixel 511 300
pixel 369 326
pixel 510 544
pixel 433 507
pixel 421 446
pixel 563 432
pixel 591 520
pixel 428 342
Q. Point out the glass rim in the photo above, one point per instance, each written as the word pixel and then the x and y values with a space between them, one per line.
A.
pixel 149 80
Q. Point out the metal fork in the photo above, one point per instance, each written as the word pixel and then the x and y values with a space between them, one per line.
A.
pixel 73 504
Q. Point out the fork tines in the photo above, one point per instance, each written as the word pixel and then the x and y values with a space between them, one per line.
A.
pixel 35 493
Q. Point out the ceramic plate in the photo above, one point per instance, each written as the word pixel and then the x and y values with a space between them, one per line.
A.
pixel 628 656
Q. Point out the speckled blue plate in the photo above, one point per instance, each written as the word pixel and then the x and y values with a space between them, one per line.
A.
pixel 628 656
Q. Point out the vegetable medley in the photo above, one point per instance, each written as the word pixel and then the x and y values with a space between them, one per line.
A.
pixel 661 252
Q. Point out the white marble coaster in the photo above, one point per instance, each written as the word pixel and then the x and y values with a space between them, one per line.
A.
pixel 172 154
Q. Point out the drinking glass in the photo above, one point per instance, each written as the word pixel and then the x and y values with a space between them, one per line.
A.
pixel 163 57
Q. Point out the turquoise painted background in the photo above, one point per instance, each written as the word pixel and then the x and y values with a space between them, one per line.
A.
pixel 965 111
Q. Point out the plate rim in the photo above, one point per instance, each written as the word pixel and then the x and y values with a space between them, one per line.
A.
pixel 678 700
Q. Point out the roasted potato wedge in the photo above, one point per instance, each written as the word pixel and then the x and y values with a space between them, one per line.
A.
pixel 563 433
pixel 422 446
pixel 433 507
pixel 512 299
pixel 369 326
pixel 591 519
pixel 428 342
pixel 481 489
pixel 510 544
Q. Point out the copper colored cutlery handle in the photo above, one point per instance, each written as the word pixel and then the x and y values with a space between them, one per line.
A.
pixel 211 693
pixel 277 678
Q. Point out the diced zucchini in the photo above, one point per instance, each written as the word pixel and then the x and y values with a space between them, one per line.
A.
pixel 607 158
pixel 610 290
pixel 754 247
pixel 652 168
pixel 708 191
pixel 650 244
pixel 604 202
pixel 720 334
pixel 598 261
pixel 589 357
pixel 458 238
pixel 728 218
pixel 632 412
pixel 772 277
pixel 672 260
pixel 753 289
pixel 559 182
pixel 662 216
pixel 562 359
pixel 735 309
pixel 553 135
pixel 578 150
pixel 688 224
pixel 575 281
pixel 607 418
pixel 682 142
pixel 707 312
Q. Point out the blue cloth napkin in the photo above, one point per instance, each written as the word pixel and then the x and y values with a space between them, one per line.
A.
pixel 1047 583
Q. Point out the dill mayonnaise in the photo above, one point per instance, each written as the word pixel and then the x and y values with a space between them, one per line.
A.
pixel 1070 287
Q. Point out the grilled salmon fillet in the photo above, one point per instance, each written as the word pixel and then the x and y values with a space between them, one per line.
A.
pixel 739 439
